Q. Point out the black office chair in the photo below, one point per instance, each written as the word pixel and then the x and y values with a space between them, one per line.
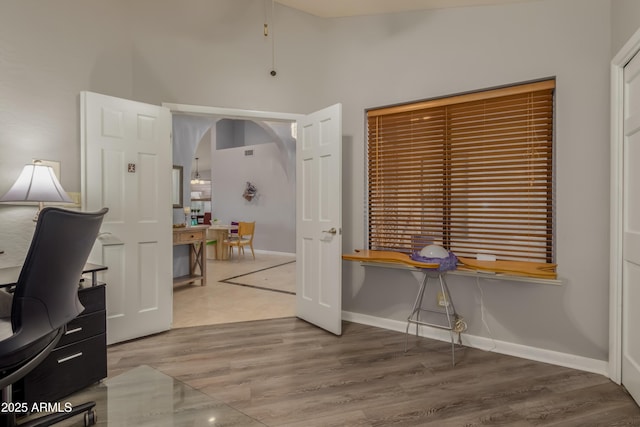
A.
pixel 45 299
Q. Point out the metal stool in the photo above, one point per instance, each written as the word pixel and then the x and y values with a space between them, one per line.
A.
pixel 450 317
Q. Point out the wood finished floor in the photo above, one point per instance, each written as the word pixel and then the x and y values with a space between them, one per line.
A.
pixel 285 372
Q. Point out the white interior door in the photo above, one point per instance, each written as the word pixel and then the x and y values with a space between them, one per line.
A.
pixel 631 231
pixel 319 219
pixel 127 166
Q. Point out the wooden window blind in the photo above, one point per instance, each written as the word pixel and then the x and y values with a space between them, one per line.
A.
pixel 470 172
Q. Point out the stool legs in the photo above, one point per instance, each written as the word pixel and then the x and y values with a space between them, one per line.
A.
pixel 451 314
pixel 415 311
pixel 449 311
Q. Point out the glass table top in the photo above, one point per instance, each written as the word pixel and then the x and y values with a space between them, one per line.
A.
pixel 145 396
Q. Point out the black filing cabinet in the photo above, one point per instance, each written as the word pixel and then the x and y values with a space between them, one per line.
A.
pixel 79 359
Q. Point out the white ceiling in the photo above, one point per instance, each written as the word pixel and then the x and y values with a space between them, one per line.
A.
pixel 341 8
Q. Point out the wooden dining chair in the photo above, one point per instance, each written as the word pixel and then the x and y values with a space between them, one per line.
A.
pixel 245 238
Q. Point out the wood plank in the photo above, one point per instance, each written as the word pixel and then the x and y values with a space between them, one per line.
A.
pixel 285 372
pixel 366 255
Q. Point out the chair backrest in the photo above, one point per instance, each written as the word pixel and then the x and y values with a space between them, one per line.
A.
pixel 234 231
pixel 46 293
pixel 246 229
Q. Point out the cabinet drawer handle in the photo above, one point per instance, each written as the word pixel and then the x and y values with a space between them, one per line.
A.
pixel 66 359
pixel 73 331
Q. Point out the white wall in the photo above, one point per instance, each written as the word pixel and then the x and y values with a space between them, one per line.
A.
pixel 268 169
pixel 213 53
pixel 273 209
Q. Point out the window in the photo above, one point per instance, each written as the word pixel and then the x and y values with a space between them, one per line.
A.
pixel 471 172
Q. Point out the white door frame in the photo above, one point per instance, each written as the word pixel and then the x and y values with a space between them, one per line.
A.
pixel 230 112
pixel 616 226
pixel 265 115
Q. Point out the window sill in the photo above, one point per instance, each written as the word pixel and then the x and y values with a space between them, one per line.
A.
pixel 476 274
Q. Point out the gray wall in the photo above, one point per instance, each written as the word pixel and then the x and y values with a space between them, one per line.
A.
pixel 213 53
pixel 429 54
pixel 49 52
pixel 625 21
pixel 239 133
pixel 226 131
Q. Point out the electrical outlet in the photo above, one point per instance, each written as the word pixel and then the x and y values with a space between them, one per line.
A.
pixel 442 301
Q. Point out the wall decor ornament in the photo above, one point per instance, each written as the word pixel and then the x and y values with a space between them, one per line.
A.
pixel 249 192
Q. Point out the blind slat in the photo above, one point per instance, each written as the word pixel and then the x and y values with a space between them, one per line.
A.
pixel 472 172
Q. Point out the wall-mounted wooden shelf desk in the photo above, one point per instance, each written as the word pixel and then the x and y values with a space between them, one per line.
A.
pixel 446 318
pixel 196 238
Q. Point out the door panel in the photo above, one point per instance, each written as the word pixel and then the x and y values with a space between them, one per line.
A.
pixel 148 173
pixel 631 231
pixel 113 255
pixel 149 280
pixel 319 219
pixel 127 165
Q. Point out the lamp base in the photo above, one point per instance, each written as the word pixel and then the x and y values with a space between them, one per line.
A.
pixel 40 206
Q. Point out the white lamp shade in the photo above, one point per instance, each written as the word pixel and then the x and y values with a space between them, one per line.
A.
pixel 36 183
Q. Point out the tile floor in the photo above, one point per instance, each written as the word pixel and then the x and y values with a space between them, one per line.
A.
pixel 238 290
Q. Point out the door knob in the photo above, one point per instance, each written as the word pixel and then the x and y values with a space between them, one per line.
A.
pixel 332 230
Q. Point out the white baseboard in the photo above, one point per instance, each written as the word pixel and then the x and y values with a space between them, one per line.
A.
pixel 482 343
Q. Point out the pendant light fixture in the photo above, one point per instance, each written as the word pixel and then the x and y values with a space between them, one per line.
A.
pixel 196 177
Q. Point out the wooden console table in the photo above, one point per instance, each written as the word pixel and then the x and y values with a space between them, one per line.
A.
pixel 196 238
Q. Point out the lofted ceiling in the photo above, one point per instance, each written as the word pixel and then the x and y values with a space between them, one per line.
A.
pixel 341 8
